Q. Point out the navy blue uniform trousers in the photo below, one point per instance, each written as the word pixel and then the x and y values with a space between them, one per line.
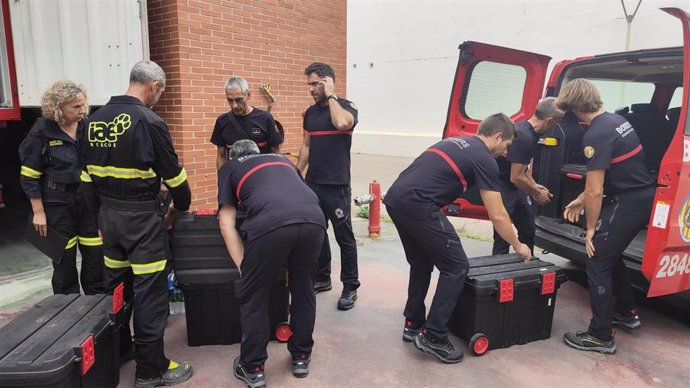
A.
pixel 296 247
pixel 622 217
pixel 335 203
pixel 521 211
pixel 431 242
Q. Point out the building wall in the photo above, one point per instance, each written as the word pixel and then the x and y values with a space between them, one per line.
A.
pixel 201 43
pixel 402 54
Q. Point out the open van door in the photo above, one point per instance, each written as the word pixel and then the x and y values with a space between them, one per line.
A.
pixel 491 79
pixel 666 261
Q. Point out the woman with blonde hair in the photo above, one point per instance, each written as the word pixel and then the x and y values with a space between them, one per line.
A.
pixel 52 175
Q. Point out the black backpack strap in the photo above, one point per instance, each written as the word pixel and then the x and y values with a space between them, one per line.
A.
pixel 238 127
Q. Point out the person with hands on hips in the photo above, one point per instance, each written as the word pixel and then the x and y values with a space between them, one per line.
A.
pixel 436 178
pixel 617 200
pixel 328 127
pixel 516 175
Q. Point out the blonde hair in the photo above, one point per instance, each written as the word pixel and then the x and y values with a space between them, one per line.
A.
pixel 58 95
pixel 579 95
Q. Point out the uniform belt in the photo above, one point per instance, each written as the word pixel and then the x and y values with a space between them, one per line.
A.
pixel 119 204
pixel 64 187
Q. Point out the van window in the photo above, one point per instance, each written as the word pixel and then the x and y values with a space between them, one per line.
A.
pixel 618 94
pixel 494 87
pixel 677 98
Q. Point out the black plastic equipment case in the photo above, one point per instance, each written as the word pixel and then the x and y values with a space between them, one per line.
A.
pixel 207 275
pixel 506 301
pixel 63 341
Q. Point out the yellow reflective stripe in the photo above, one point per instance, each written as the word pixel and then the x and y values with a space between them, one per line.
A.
pixel 72 242
pixel 85 177
pixel 178 180
pixel 115 264
pixel 120 173
pixel 30 172
pixel 143 269
pixel 90 241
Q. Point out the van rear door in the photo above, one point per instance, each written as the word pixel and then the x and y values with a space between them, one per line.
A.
pixel 666 261
pixel 491 79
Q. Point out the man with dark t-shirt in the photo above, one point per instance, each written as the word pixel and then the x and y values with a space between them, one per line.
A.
pixel 518 185
pixel 243 122
pixel 284 228
pixel 328 126
pixel 436 178
pixel 617 201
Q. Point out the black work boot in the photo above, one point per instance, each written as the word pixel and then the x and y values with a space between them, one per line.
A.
pixel 440 348
pixel 347 298
pixel 176 374
pixel 300 365
pixel 411 330
pixel 321 286
pixel 582 340
pixel 254 378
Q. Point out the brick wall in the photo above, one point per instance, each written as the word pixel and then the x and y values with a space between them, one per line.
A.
pixel 201 43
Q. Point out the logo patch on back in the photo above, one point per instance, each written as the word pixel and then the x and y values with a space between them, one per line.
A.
pixel 589 152
pixel 102 134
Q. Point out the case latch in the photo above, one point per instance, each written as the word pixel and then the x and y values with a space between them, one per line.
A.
pixel 548 283
pixel 88 356
pixel 505 290
pixel 118 298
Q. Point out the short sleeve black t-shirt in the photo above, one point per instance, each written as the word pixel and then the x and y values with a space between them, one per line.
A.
pixel 611 144
pixel 441 173
pixel 329 150
pixel 521 151
pixel 258 126
pixel 270 189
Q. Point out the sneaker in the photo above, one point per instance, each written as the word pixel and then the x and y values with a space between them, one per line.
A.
pixel 347 299
pixel 582 340
pixel 300 365
pixel 253 379
pixel 176 374
pixel 322 286
pixel 631 321
pixel 410 331
pixel 442 349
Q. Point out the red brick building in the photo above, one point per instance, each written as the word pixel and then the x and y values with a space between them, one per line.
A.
pixel 201 43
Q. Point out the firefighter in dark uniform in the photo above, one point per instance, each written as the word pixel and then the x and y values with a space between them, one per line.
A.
pixel 284 228
pixel 129 152
pixel 243 122
pixel 519 187
pixel 617 201
pixel 50 176
pixel 328 126
pixel 436 178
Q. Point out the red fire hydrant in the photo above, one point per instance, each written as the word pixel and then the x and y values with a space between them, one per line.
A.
pixel 375 210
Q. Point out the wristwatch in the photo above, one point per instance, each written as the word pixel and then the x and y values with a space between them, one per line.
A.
pixel 333 96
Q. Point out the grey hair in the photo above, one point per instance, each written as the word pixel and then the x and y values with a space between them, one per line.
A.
pixel 144 72
pixel 235 82
pixel 547 108
pixel 243 147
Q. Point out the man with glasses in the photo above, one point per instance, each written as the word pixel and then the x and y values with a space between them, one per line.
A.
pixel 243 121
pixel 328 126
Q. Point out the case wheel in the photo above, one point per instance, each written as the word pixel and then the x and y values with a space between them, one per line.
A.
pixel 479 344
pixel 283 332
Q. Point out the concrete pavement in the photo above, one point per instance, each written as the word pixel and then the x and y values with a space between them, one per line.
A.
pixel 363 347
